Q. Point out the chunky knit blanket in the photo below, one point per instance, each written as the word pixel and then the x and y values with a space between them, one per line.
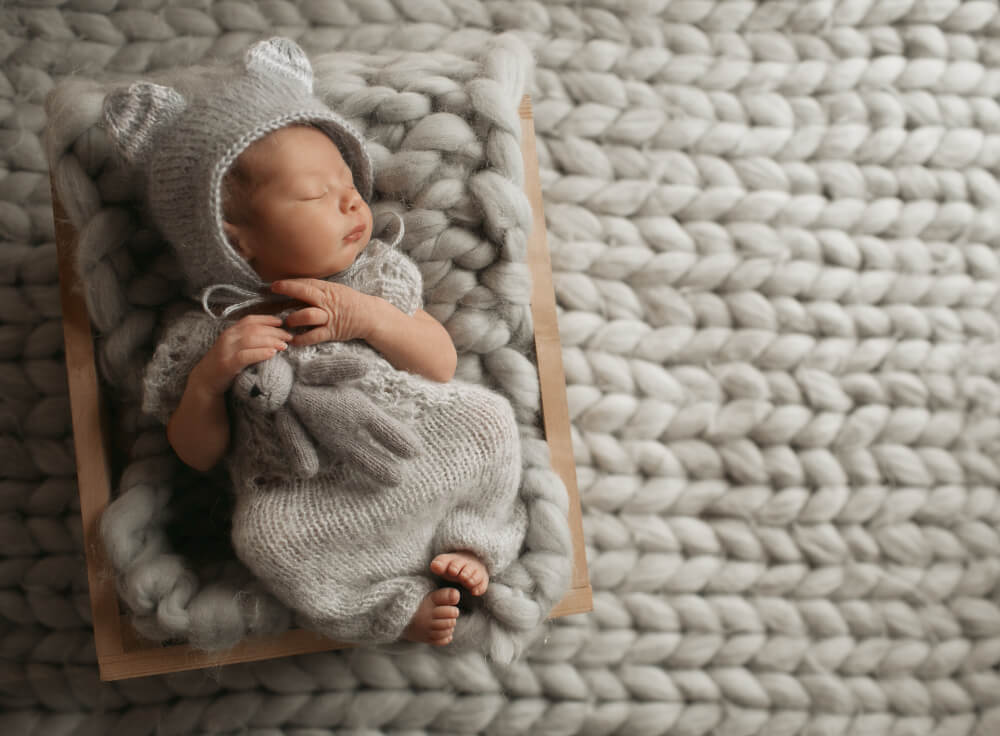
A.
pixel 774 244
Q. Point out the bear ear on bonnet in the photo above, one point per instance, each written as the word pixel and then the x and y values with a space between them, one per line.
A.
pixel 135 114
pixel 282 57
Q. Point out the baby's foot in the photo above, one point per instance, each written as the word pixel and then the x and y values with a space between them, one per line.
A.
pixel 463 568
pixel 434 621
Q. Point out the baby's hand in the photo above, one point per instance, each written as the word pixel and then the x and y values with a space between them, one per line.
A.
pixel 338 312
pixel 252 339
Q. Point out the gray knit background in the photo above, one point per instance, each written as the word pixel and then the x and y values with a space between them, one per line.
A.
pixel 774 231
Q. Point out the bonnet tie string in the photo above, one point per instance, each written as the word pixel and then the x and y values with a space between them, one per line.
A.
pixel 400 229
pixel 238 298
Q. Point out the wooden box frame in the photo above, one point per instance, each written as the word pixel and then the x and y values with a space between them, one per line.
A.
pixel 121 652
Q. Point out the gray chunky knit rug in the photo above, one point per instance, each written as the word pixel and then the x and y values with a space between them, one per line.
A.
pixel 775 238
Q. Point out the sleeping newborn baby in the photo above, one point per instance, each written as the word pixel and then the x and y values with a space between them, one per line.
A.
pixel 368 483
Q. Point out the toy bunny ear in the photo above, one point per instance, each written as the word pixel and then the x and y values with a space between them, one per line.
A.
pixel 134 115
pixel 281 56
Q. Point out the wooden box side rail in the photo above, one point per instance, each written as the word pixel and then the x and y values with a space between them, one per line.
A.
pixel 121 652
pixel 551 376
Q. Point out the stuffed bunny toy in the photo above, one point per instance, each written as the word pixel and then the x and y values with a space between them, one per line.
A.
pixel 306 415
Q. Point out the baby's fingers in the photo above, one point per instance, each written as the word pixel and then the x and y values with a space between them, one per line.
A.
pixel 252 324
pixel 254 348
pixel 246 331
pixel 265 334
pixel 266 337
pixel 249 356
pixel 308 317
pixel 310 291
pixel 261 319
pixel 311 337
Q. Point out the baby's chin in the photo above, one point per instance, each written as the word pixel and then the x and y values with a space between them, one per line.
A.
pixel 359 245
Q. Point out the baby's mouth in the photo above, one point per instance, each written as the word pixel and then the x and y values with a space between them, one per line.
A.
pixel 354 234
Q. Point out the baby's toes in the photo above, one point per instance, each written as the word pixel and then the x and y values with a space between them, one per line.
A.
pixel 445 613
pixel 439 565
pixel 475 581
pixel 442 624
pixel 471 581
pixel 446 597
pixel 440 638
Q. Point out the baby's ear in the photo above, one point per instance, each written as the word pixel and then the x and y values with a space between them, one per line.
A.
pixel 280 57
pixel 133 116
pixel 234 235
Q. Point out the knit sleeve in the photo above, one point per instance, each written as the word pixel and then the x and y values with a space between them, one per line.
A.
pixel 184 342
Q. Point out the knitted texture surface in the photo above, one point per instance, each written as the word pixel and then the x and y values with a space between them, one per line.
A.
pixel 774 239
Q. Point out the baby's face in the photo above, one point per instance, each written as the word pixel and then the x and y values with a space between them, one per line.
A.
pixel 303 217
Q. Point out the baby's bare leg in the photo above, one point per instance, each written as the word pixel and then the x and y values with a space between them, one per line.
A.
pixel 463 568
pixel 434 621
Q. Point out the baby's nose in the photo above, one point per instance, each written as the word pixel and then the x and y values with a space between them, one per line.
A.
pixel 350 200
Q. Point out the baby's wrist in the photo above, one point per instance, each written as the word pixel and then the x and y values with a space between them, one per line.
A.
pixel 368 310
pixel 204 384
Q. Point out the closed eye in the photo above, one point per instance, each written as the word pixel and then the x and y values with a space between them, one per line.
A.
pixel 349 184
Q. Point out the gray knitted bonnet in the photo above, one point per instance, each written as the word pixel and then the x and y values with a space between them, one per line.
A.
pixel 186 147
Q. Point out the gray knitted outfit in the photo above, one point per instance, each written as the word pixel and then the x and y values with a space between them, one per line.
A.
pixel 349 475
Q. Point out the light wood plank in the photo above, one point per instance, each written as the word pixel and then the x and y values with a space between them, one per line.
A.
pixel 90 443
pixel 555 408
pixel 151 659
